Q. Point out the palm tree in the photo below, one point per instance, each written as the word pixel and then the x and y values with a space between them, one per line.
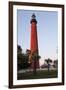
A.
pixel 56 64
pixel 48 61
pixel 34 57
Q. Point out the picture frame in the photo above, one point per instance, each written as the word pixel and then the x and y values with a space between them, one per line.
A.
pixel 13 81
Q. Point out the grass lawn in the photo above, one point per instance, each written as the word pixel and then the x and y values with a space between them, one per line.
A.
pixel 38 75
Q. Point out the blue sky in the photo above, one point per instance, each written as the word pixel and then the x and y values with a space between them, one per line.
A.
pixel 47 30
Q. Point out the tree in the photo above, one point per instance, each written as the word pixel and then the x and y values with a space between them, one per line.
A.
pixel 22 61
pixel 48 61
pixel 56 64
pixel 22 58
pixel 19 49
pixel 34 57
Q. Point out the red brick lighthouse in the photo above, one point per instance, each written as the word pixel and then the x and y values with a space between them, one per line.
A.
pixel 34 41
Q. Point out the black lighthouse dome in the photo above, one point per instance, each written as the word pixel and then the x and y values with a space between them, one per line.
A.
pixel 33 19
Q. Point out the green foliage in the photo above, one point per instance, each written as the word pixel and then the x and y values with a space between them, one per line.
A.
pixel 22 59
pixel 48 61
pixel 56 64
pixel 35 56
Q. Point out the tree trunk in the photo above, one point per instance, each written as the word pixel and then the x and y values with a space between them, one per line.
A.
pixel 34 67
pixel 48 69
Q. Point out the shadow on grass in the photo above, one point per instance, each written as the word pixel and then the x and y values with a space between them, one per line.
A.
pixel 38 75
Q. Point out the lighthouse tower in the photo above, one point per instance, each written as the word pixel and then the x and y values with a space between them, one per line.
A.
pixel 34 40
